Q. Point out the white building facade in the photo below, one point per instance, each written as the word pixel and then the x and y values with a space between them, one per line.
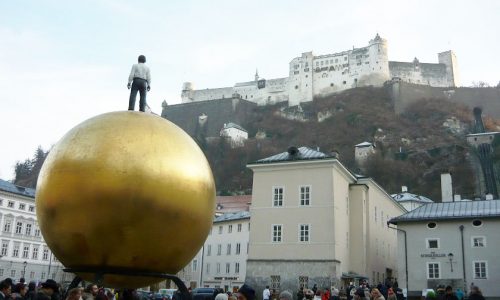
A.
pixel 314 222
pixel 450 243
pixel 221 263
pixel 23 251
pixel 235 134
pixel 310 76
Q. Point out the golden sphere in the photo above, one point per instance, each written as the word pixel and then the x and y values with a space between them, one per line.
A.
pixel 125 190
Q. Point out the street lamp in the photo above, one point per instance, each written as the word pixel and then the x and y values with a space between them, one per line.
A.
pixel 450 257
pixel 25 263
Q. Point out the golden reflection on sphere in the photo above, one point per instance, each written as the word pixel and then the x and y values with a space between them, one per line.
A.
pixel 128 190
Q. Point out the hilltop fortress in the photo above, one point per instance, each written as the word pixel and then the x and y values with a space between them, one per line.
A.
pixel 312 76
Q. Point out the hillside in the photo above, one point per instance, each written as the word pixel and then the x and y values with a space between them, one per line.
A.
pixel 413 148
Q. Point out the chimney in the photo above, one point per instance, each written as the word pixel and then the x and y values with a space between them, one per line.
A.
pixel 446 188
pixel 404 189
pixel 457 198
pixel 335 154
pixel 489 196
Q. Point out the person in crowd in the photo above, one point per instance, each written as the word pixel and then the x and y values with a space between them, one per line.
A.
pixel 475 293
pixel 266 293
pixel 20 291
pixel 315 288
pixel 460 294
pixel 232 297
pixel 449 294
pixel 129 294
pixel 431 295
pixel 308 294
pixel 90 292
pixel 326 294
pixel 440 292
pixel 246 292
pixel 376 295
pixel 391 295
pixel 5 289
pixel 285 295
pixel 300 293
pixel 74 294
pixel 49 287
pixel 221 296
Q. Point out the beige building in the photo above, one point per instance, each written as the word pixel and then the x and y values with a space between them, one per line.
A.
pixel 314 222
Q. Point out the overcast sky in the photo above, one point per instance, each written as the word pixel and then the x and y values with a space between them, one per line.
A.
pixel 63 62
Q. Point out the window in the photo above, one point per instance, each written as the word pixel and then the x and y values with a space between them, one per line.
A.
pixel 209 250
pixel 218 268
pixel 1 272
pixel 477 223
pixel 230 229
pixel 220 229
pixel 433 271
pixel 239 227
pixel 1 201
pixel 277 233
pixel 22 206
pixel 238 248
pixel 35 252
pixel 207 269
pixel 382 217
pixel 219 249
pixel 45 255
pixel 305 195
pixel 431 225
pixel 26 251
pixel 275 282
pixel 195 265
pixel 19 227
pixel 32 275
pixel 304 281
pixel 37 232
pixel 43 275
pixel 248 226
pixel 304 233
pixel 228 268
pixel 480 270
pixel 7 225
pixel 432 243
pixel 15 251
pixel 278 196
pixel 12 273
pixel 478 241
pixel 237 268
pixel 28 229
pixel 5 248
pixel 10 204
pixel 31 208
pixel 228 250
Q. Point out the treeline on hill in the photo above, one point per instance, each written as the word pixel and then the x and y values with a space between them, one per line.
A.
pixel 412 149
pixel 26 172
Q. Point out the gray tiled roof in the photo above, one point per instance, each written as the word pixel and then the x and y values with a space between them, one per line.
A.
pixel 232 216
pixel 452 210
pixel 304 153
pixel 19 190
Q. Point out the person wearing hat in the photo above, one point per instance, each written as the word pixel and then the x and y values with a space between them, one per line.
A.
pixel 246 292
pixel 49 287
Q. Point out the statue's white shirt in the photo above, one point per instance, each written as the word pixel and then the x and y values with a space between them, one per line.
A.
pixel 140 70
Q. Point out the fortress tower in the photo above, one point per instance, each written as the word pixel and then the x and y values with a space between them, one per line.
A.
pixel 450 60
pixel 187 92
pixel 300 80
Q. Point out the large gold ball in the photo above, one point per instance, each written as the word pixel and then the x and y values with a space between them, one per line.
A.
pixel 125 190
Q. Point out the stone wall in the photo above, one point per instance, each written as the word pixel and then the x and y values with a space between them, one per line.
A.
pixel 404 94
pixel 218 112
pixel 323 273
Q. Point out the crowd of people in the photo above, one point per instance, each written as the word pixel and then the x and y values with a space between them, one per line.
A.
pixel 447 293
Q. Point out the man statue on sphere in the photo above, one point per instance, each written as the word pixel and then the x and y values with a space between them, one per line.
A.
pixel 139 80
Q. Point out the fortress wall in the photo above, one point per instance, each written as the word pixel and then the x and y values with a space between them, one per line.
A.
pixel 209 94
pixel 405 94
pixel 420 73
pixel 218 112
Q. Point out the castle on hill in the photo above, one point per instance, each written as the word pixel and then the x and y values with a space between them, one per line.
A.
pixel 311 76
